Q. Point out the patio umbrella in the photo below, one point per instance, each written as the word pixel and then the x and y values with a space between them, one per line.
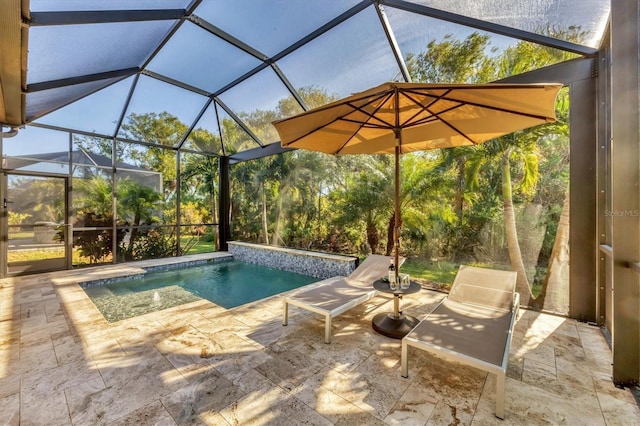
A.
pixel 396 118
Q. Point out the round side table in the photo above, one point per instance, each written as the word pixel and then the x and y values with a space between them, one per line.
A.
pixel 395 324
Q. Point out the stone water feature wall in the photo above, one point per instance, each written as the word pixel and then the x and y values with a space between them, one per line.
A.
pixel 320 265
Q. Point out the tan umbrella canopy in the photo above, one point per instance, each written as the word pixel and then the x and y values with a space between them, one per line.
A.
pixel 396 118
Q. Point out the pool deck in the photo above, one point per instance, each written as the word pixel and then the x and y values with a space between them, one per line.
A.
pixel 62 363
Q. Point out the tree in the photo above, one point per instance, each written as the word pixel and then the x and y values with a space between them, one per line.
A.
pixel 367 200
pixel 554 295
pixel 94 212
pixel 200 172
pixel 423 199
pixel 96 240
pixel 457 61
pixel 42 198
pixel 554 192
pixel 505 151
pixel 139 203
pixel 93 195
pixel 522 57
pixel 93 144
pixel 272 197
pixel 293 177
pixel 472 61
pixel 454 61
pixel 163 130
pixel 472 209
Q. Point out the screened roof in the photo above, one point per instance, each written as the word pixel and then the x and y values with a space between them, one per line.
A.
pixel 228 68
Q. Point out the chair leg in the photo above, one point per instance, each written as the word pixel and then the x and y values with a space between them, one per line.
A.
pixel 285 312
pixel 500 384
pixel 327 329
pixel 404 359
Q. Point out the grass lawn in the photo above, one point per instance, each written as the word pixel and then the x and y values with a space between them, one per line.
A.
pixel 35 254
pixel 202 247
pixel 20 235
pixel 439 274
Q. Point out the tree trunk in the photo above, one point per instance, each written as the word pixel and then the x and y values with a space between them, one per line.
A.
pixel 214 219
pixel 265 230
pixel 522 285
pixel 134 229
pixel 555 289
pixel 277 239
pixel 134 235
pixel 373 238
pixel 392 224
pixel 459 192
pixel 319 214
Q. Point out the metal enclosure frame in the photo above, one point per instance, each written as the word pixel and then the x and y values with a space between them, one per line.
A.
pixel 622 217
pixel 605 141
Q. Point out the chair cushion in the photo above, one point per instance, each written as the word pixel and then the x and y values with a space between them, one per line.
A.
pixel 484 287
pixel 335 293
pixel 475 331
pixel 373 268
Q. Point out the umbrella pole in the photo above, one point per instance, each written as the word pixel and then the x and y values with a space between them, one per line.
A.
pixel 396 206
pixel 396 189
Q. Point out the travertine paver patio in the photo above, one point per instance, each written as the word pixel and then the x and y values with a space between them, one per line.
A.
pixel 62 363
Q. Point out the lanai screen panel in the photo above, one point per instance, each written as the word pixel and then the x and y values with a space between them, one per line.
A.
pixel 271 26
pixel 581 21
pixel 37 150
pixel 174 107
pixel 256 60
pixel 66 51
pixel 350 57
pixel 97 113
pixel 200 59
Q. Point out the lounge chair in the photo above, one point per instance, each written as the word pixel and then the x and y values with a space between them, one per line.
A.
pixel 473 325
pixel 336 295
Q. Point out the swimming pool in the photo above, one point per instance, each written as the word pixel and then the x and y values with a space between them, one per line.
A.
pixel 227 284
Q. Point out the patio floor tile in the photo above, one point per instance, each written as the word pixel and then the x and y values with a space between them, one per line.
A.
pixel 62 363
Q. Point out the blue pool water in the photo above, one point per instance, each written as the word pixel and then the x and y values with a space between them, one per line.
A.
pixel 227 284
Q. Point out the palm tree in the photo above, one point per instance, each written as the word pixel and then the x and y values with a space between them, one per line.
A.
pixel 93 201
pixel 247 213
pixel 420 183
pixel 508 151
pixel 202 170
pixel 471 209
pixel 292 173
pixel 366 200
pixel 203 174
pixel 554 295
pixel 93 195
pixel 138 203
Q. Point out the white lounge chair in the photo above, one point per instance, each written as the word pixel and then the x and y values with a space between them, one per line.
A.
pixel 336 295
pixel 473 325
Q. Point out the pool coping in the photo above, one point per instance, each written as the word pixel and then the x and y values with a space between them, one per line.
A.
pixel 313 263
pixel 154 265
pixel 70 284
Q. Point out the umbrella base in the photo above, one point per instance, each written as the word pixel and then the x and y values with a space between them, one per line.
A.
pixel 395 327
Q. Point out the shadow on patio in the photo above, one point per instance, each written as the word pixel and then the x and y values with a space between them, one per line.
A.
pixel 62 363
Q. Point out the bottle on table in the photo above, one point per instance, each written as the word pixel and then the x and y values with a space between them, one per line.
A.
pixel 393 276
